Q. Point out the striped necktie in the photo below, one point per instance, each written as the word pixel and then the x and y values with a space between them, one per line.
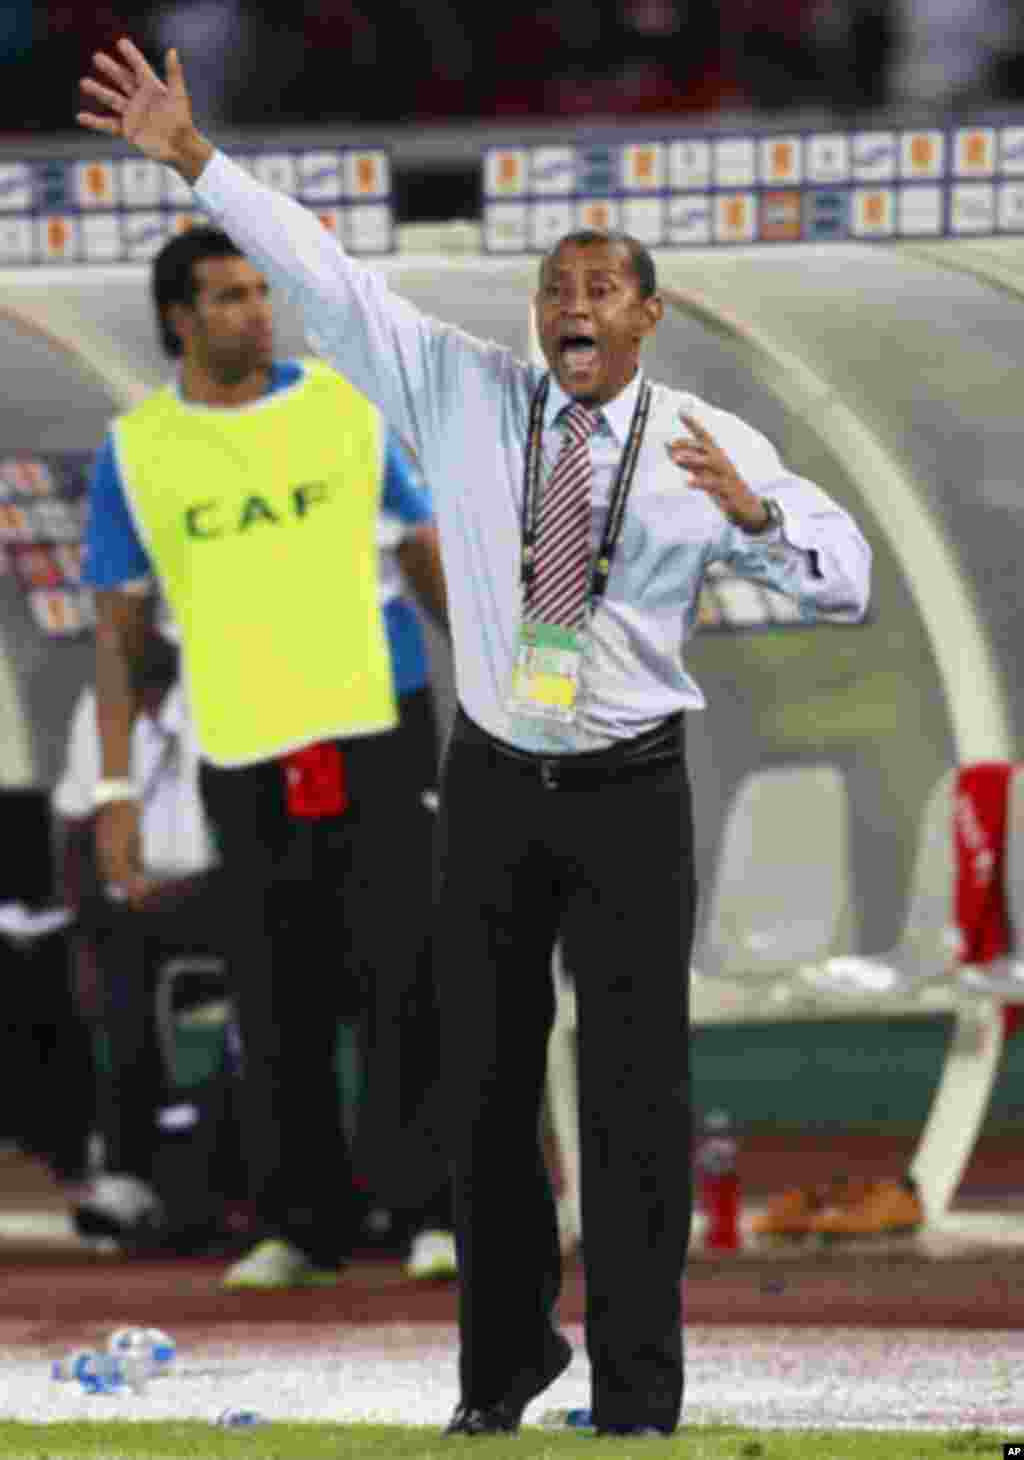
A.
pixel 562 548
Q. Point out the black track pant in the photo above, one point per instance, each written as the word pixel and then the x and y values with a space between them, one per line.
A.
pixel 317 927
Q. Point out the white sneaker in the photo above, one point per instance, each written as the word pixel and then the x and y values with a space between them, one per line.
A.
pixel 277 1264
pixel 114 1205
pixel 432 1256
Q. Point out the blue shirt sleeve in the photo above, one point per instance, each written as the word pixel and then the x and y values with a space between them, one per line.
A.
pixel 113 551
pixel 405 493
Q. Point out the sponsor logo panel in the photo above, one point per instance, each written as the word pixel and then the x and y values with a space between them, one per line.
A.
pixel 1010 207
pixel 320 177
pixel 17 240
pixel 57 238
pixel 689 165
pixel 873 156
pixel 101 237
pixel 141 183
pixel 367 175
pixel 368 228
pixel 549 221
pixel 780 217
pixel 828 157
pixel 922 154
pixel 506 227
pixel 552 172
pixel 735 162
pixel 781 160
pixel 277 170
pixel 974 151
pixel 1011 151
pixel 599 213
pixel 597 170
pixel 143 234
pixel 972 208
pixel 16 187
pixel 644 218
pixel 873 212
pixel 505 172
pixel 736 217
pixel 920 210
pixel 643 167
pixel 689 219
pixel 95 185
pixel 826 213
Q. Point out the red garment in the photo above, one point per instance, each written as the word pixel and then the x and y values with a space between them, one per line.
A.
pixel 315 780
pixel 979 835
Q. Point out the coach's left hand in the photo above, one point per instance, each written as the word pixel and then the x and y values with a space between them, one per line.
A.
pixel 711 471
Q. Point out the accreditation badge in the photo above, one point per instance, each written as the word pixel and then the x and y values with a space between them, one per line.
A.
pixel 546 677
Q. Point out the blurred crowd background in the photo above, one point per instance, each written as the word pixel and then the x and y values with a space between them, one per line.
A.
pixel 448 68
pixel 260 62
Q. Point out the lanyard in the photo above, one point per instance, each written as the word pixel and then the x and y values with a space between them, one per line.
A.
pixel 617 506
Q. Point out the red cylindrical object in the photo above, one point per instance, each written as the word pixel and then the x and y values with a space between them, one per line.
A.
pixel 720 1200
pixel 718 1185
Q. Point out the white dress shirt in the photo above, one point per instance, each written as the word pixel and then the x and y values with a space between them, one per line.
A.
pixel 175 838
pixel 464 405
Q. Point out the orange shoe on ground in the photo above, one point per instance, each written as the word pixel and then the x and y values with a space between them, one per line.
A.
pixel 791 1214
pixel 788 1214
pixel 886 1209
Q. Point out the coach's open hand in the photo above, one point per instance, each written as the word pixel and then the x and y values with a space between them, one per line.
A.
pixel 153 115
pixel 711 471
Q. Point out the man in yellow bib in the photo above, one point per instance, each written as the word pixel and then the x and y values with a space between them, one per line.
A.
pixel 250 490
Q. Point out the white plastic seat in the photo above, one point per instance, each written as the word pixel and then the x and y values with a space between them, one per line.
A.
pixel 781 893
pixel 928 942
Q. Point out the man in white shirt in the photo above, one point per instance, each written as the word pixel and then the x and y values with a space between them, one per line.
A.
pixel 579 510
pixel 130 943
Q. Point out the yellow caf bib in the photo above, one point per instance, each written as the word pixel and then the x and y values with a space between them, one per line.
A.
pixel 261 524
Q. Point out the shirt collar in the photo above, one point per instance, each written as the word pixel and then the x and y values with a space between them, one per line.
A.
pixel 617 413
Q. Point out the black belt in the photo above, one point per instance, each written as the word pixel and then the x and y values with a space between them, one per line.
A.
pixel 654 749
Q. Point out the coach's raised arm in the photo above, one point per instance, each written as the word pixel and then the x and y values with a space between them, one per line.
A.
pixel 375 338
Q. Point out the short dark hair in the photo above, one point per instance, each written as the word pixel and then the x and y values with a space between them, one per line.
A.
pixel 174 279
pixel 639 257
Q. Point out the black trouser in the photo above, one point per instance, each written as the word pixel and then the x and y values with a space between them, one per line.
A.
pixel 314 925
pixel 47 1079
pixel 615 846
pixel 400 1145
pixel 131 946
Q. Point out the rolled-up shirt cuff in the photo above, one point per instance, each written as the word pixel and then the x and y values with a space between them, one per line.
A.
pixel 791 536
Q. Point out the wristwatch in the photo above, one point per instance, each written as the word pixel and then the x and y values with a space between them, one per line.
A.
pixel 774 518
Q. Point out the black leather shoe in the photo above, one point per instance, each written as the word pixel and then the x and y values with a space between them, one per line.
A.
pixel 469 1421
pixel 634 1432
pixel 502 1417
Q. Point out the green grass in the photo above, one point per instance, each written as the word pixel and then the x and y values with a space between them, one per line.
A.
pixel 128 1440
